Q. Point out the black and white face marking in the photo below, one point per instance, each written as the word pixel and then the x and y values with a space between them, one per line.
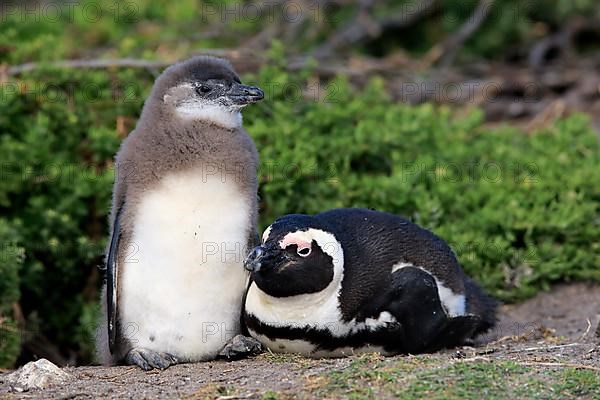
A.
pixel 290 263
pixel 301 238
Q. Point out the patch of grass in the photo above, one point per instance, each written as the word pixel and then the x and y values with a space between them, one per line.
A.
pixel 432 378
pixel 280 358
pixel 270 395
pixel 466 381
pixel 572 382
pixel 368 374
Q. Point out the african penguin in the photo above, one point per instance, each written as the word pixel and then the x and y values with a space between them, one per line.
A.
pixel 183 218
pixel 353 280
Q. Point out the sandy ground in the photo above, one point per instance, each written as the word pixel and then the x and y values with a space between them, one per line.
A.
pixel 558 327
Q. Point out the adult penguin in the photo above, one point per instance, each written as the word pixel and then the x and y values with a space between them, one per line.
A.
pixel 354 280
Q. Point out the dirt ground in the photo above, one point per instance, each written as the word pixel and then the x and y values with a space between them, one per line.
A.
pixel 554 331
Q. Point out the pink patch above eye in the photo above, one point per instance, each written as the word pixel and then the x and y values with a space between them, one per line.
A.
pixel 300 239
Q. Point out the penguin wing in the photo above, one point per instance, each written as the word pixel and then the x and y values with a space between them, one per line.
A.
pixel 424 324
pixel 253 241
pixel 112 271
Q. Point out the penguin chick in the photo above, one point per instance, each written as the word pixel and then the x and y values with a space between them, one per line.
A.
pixel 354 280
pixel 183 216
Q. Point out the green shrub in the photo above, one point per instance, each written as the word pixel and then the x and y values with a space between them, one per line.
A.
pixel 511 27
pixel 163 29
pixel 10 261
pixel 58 137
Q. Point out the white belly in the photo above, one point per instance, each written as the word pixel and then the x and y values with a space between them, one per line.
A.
pixel 319 310
pixel 183 278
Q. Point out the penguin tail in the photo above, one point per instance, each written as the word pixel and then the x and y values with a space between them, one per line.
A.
pixel 481 305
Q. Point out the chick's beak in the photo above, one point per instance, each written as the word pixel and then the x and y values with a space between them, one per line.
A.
pixel 253 261
pixel 244 94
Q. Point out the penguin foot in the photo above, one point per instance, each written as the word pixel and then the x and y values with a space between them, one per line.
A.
pixel 241 347
pixel 148 359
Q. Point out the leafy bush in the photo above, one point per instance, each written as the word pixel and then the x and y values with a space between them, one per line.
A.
pixel 10 262
pixel 511 27
pixel 58 137
pixel 163 29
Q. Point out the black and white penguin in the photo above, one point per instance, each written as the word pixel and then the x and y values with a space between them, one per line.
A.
pixel 183 219
pixel 354 280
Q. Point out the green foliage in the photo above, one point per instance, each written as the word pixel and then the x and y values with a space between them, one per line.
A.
pixel 512 22
pixel 164 29
pixel 10 261
pixel 58 137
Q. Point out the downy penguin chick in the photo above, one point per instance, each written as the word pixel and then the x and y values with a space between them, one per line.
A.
pixel 353 280
pixel 183 218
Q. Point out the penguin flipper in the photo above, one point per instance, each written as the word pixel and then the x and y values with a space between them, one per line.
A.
pixel 416 306
pixel 253 241
pixel 112 283
pixel 425 325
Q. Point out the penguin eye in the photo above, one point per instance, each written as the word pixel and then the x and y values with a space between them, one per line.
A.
pixel 304 252
pixel 203 89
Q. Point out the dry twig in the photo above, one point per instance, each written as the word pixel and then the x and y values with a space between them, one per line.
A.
pixel 91 64
pixel 120 62
pixel 446 51
pixel 587 330
pixel 546 348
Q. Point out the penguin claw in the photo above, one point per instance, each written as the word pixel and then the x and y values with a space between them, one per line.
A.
pixel 241 347
pixel 148 359
pixel 171 358
pixel 135 358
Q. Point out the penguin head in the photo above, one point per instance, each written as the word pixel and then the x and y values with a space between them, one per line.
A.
pixel 298 255
pixel 202 87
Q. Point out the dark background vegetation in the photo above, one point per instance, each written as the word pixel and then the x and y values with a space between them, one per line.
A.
pixel 476 119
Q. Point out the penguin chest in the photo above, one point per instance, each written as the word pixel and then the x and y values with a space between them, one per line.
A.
pixel 182 278
pixel 310 324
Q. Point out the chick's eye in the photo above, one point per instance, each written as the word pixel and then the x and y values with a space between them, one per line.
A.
pixel 304 252
pixel 203 89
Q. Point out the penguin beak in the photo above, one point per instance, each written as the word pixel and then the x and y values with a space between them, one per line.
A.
pixel 243 94
pixel 253 261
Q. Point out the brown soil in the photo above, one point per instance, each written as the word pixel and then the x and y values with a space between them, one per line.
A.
pixel 557 327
